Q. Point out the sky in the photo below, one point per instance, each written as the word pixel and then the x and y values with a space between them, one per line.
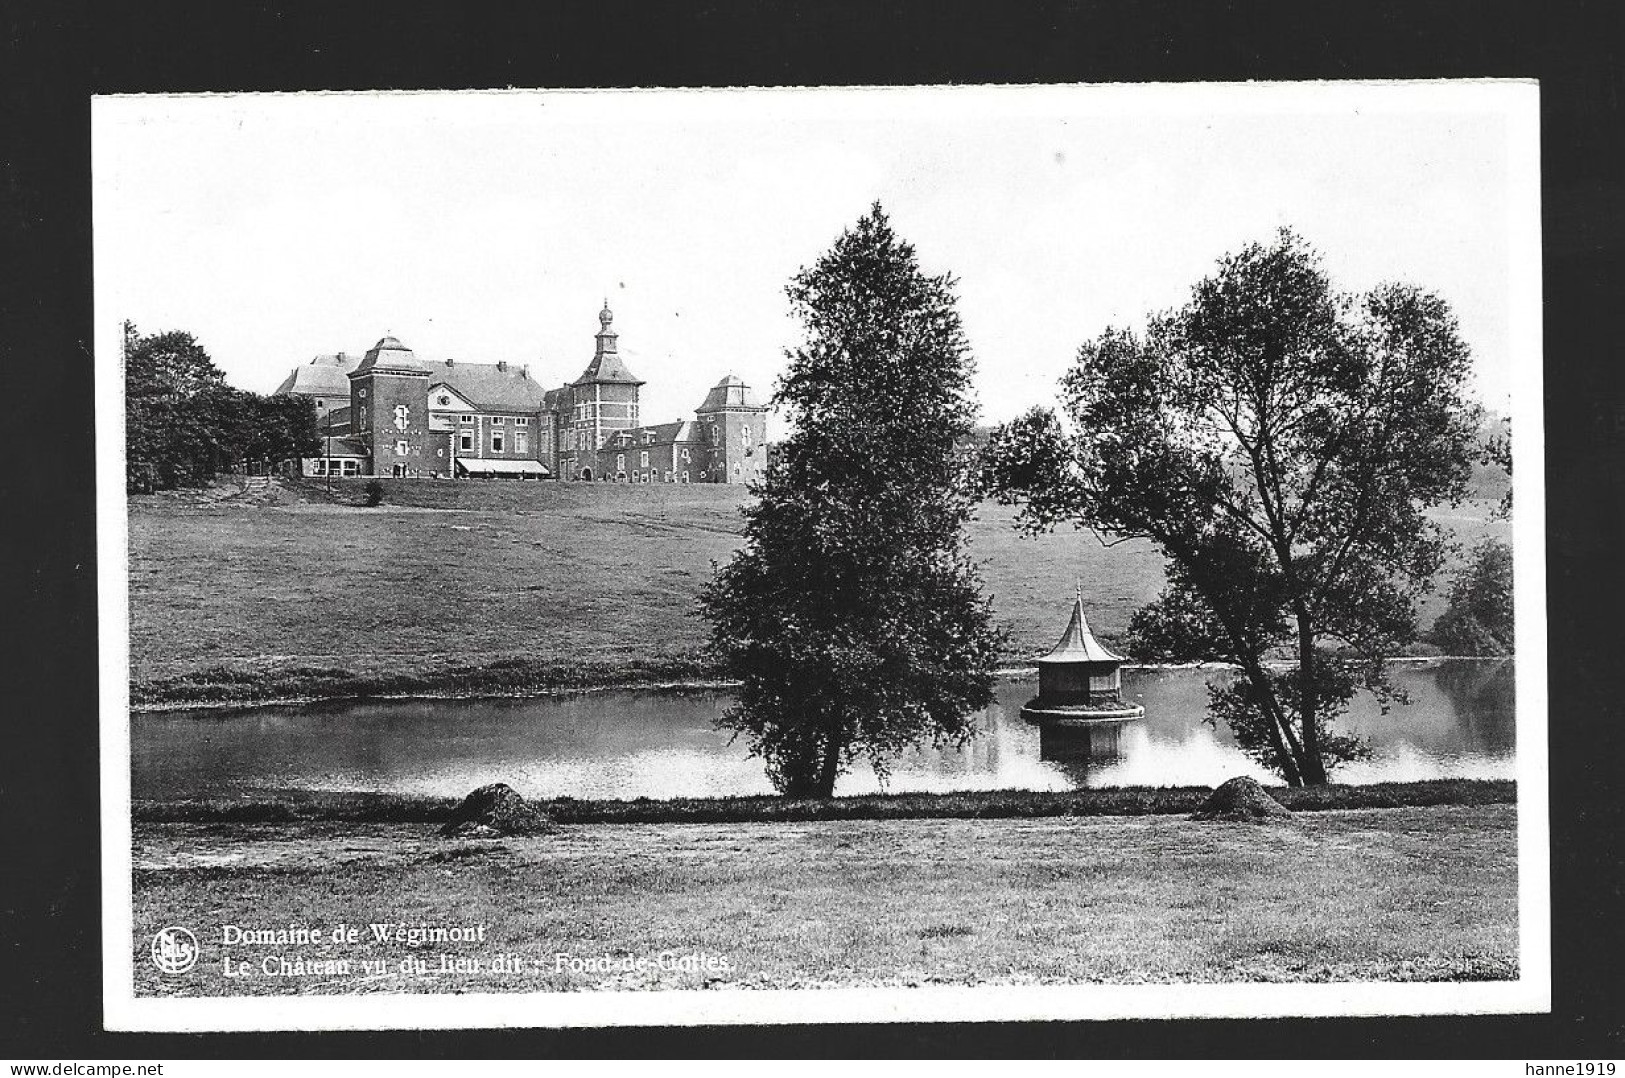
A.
pixel 493 226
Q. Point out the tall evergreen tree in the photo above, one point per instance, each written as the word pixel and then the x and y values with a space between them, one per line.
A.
pixel 853 615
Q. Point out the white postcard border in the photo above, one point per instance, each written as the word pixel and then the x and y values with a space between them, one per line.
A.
pixel 1517 100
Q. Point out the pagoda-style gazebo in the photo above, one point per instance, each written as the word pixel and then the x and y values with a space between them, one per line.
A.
pixel 1080 681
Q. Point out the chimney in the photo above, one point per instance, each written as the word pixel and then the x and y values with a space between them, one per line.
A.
pixel 502 365
pixel 450 362
pixel 525 370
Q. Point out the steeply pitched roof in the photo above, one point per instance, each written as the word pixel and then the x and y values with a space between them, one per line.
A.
pixel 731 392
pixel 488 386
pixel 679 430
pixel 1078 644
pixel 323 376
pixel 391 355
pixel 606 365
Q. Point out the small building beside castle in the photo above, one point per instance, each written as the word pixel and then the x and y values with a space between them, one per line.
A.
pixel 389 413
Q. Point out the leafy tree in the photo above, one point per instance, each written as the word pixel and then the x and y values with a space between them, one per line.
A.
pixel 1279 442
pixel 852 615
pixel 176 401
pixel 183 423
pixel 276 428
pixel 1497 453
pixel 1478 619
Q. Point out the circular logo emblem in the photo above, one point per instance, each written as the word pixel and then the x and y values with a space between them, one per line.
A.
pixel 174 950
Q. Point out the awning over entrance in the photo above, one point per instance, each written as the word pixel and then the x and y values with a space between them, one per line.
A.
pixel 510 469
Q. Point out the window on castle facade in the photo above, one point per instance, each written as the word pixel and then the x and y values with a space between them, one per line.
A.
pixel 465 441
pixel 685 476
pixel 522 421
pixel 644 462
pixel 521 442
pixel 402 447
pixel 620 462
pixel 496 441
pixel 465 419
pixel 497 421
pixel 685 456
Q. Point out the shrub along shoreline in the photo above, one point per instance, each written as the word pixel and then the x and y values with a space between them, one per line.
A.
pixel 232 687
pixel 512 677
pixel 365 807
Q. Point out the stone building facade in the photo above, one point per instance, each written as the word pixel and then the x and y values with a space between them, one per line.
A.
pixel 397 415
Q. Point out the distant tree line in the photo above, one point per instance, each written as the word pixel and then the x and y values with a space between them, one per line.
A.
pixel 1479 619
pixel 184 424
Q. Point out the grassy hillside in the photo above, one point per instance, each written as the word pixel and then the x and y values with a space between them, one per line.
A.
pixel 508 586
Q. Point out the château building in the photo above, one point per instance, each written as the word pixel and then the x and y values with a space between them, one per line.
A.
pixel 389 413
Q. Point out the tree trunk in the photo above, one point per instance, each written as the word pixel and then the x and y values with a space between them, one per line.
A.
pixel 829 767
pixel 1276 722
pixel 1311 765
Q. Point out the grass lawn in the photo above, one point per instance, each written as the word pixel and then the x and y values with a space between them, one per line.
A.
pixel 497 587
pixel 1388 894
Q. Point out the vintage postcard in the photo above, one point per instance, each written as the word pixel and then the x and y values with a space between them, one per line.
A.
pixel 806 555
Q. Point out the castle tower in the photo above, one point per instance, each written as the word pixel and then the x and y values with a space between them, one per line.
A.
pixel 389 402
pixel 605 400
pixel 733 425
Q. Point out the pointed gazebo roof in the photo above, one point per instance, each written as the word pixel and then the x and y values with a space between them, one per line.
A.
pixel 1078 644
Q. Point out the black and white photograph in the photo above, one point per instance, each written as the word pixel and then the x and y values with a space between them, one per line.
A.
pixel 964 553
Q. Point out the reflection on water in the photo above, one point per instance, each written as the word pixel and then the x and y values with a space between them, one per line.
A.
pixel 1078 752
pixel 662 744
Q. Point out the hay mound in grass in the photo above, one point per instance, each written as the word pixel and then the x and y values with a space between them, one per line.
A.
pixel 496 810
pixel 1241 799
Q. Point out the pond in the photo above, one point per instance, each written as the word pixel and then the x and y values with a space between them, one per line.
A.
pixel 642 743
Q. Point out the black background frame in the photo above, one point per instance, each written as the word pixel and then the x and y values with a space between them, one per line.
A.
pixel 54 56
